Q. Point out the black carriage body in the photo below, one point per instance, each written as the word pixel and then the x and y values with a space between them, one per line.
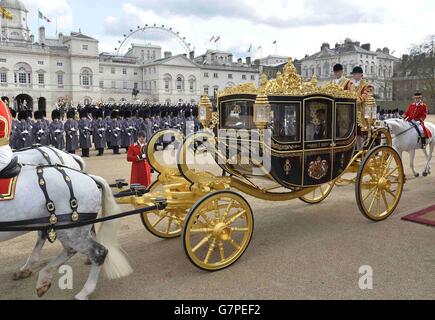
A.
pixel 312 138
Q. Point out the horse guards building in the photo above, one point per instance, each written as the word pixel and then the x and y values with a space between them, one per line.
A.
pixel 37 74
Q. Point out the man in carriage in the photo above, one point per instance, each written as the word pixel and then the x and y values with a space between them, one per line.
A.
pixel 416 114
pixel 340 79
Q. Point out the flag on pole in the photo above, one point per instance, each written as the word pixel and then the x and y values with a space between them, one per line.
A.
pixel 212 38
pixel 274 42
pixel 250 48
pixel 217 39
pixel 41 16
pixel 6 14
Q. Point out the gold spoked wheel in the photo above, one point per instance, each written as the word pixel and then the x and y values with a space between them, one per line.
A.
pixel 165 224
pixel 218 230
pixel 379 183
pixel 319 194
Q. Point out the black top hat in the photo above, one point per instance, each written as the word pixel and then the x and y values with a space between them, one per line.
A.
pixel 83 114
pixel 37 115
pixel 357 70
pixel 70 114
pixel 22 115
pixel 338 67
pixel 418 95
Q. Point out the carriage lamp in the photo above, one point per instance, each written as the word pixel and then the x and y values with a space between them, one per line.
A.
pixel 371 109
pixel 205 109
pixel 262 112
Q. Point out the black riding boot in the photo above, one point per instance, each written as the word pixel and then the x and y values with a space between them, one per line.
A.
pixel 116 150
pixel 423 142
pixel 100 152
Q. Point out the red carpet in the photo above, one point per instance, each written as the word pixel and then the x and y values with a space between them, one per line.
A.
pixel 425 216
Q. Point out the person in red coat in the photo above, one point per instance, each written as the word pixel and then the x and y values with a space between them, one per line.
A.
pixel 140 168
pixel 417 113
pixel 6 154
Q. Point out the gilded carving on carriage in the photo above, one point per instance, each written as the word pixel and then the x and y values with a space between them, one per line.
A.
pixel 287 167
pixel 318 169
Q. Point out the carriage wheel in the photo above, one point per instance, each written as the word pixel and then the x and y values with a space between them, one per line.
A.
pixel 319 194
pixel 218 230
pixel 379 183
pixel 165 224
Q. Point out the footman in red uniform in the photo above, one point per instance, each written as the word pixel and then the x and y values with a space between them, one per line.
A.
pixel 417 113
pixel 140 169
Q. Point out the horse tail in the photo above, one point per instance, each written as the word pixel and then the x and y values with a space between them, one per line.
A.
pixel 116 264
pixel 80 161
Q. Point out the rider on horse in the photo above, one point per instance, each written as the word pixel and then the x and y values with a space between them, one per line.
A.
pixel 416 114
pixel 5 132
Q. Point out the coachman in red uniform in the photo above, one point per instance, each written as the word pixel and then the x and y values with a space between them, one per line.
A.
pixel 5 133
pixel 140 169
pixel 417 113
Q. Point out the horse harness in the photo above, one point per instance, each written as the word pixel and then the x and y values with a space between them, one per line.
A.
pixel 51 233
pixel 47 157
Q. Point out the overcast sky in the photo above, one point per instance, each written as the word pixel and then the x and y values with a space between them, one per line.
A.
pixel 298 26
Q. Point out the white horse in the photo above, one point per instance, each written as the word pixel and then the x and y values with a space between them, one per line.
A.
pixel 406 138
pixel 35 155
pixel 104 250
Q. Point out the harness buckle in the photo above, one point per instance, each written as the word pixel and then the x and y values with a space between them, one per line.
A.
pixel 75 216
pixel 51 207
pixel 74 204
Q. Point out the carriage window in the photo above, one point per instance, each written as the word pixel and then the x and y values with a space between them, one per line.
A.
pixel 317 120
pixel 345 120
pixel 285 122
pixel 237 114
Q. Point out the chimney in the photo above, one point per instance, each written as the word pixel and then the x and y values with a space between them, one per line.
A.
pixel 192 55
pixel 386 50
pixel 168 54
pixel 337 45
pixel 325 45
pixel 61 38
pixel 42 35
pixel 366 46
pixel 230 58
pixel 357 43
pixel 248 60
pixel 257 62
pixel 239 61
pixel 32 38
pixel 185 55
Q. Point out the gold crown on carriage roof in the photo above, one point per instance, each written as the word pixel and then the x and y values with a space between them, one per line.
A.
pixel 289 83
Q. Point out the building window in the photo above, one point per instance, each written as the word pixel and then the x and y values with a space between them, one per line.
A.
pixel 252 77
pixel 135 73
pixel 41 78
pixel 243 76
pixel 41 63
pixel 85 47
pixel 136 85
pixel 206 90
pixel 215 91
pixel 60 79
pixel 86 78
pixel 22 76
pixel 205 74
pixel 113 84
pixel 230 76
pixel 113 70
pixel 3 60
pixel 154 69
pixel 191 85
pixel 101 69
pixel 166 85
pixel 101 84
pixel 3 77
pixel 215 75
pixel 125 86
pixel 60 64
pixel 124 71
pixel 180 84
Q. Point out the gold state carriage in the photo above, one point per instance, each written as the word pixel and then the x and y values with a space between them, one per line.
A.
pixel 308 133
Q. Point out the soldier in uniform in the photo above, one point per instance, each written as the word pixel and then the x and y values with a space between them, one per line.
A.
pixel 71 128
pixel 147 124
pixel 340 80
pixel 128 130
pixel 40 131
pixel 15 122
pixel 56 131
pixel 100 128
pixel 85 130
pixel 24 131
pixel 416 114
pixel 115 132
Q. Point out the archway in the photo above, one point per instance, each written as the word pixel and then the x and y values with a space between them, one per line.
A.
pixel 24 102
pixel 42 104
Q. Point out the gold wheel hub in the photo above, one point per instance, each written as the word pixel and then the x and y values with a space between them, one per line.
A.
pixel 222 231
pixel 384 184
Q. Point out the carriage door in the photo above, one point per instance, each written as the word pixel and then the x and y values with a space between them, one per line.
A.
pixel 318 140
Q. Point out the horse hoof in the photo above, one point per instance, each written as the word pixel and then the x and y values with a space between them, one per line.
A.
pixel 43 290
pixel 21 275
pixel 425 174
pixel 417 175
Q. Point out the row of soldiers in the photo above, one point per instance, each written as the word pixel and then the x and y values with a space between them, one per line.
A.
pixel 102 127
